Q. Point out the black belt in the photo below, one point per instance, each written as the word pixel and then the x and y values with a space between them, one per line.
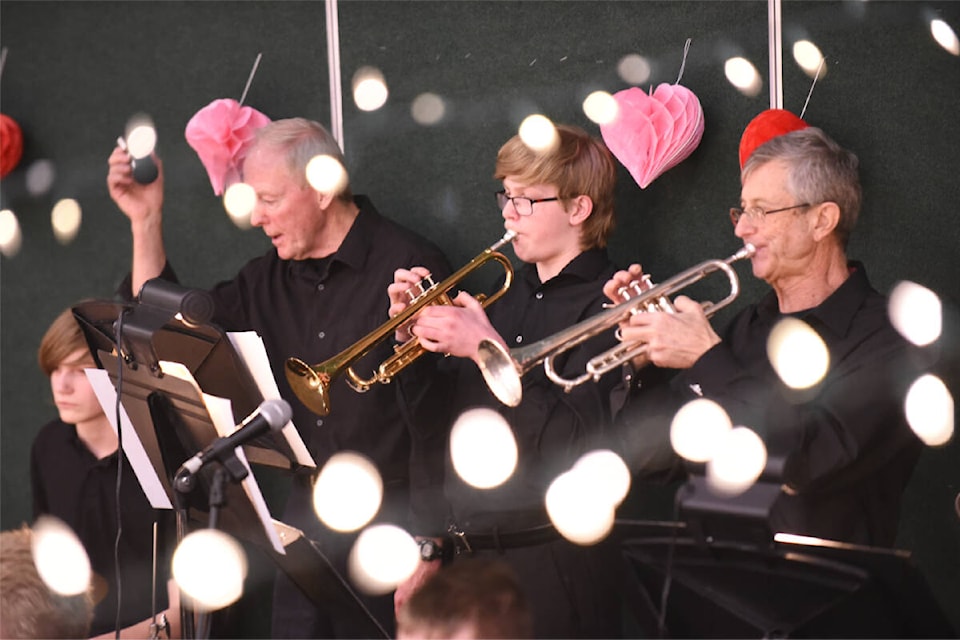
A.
pixel 465 542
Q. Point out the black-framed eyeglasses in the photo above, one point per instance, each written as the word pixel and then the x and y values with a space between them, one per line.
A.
pixel 523 206
pixel 756 214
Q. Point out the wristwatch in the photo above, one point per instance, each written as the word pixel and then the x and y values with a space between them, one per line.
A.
pixel 430 550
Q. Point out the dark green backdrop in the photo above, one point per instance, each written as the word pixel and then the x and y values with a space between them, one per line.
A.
pixel 75 72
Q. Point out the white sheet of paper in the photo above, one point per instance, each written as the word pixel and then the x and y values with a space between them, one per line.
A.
pixel 132 446
pixel 250 347
pixel 221 413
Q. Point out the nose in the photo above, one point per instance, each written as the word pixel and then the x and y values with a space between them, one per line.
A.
pixel 509 211
pixel 257 219
pixel 60 381
pixel 744 227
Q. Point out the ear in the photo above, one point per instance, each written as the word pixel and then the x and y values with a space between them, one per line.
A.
pixel 580 209
pixel 324 200
pixel 825 219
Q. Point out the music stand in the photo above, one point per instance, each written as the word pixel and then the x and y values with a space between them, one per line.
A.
pixel 725 579
pixel 171 420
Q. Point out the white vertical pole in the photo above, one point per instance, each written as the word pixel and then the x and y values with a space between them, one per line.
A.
pixel 333 63
pixel 775 31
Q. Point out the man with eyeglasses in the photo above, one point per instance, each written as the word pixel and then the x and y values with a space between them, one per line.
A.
pixel 560 203
pixel 847 448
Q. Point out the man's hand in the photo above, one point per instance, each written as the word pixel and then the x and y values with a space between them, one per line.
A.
pixel 673 340
pixel 406 283
pixel 139 202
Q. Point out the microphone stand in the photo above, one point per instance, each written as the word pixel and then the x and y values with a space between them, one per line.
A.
pixel 184 482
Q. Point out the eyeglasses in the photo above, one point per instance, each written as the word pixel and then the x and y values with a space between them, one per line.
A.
pixel 523 206
pixel 756 214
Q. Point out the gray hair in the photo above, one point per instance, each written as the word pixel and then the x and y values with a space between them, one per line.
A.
pixel 301 140
pixel 819 170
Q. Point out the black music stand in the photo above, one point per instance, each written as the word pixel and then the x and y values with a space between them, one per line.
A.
pixel 729 576
pixel 173 424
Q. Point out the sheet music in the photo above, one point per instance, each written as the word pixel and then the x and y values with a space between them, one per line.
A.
pixel 221 414
pixel 132 447
pixel 249 346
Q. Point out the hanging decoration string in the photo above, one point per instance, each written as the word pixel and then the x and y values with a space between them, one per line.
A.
pixel 812 85
pixel 683 63
pixel 256 63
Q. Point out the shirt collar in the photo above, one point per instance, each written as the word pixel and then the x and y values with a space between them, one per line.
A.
pixel 353 251
pixel 586 267
pixel 837 311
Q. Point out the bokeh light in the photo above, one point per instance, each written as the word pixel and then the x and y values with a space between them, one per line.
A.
pixel 698 428
pixel 539 133
pixel 945 36
pixel 743 75
pixel 382 557
pixel 239 199
pixel 40 177
pixel 428 109
pixel 916 312
pixel 141 139
pixel 11 237
pixel 797 353
pixel 59 556
pixel 633 69
pixel 483 448
pixel 348 491
pixel 209 566
pixel 929 410
pixel 369 89
pixel 326 175
pixel 576 511
pixel 601 107
pixel 65 220
pixel 739 460
pixel 809 58
pixel 606 474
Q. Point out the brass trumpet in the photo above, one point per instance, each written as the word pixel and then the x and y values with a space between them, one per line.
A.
pixel 503 369
pixel 311 384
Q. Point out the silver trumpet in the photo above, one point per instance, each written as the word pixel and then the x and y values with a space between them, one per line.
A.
pixel 503 369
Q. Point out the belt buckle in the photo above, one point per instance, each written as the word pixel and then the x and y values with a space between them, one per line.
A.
pixel 460 539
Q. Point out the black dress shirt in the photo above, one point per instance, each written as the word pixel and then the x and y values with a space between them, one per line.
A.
pixel 70 483
pixel 552 428
pixel 848 449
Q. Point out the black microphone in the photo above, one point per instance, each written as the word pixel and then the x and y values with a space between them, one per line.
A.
pixel 270 415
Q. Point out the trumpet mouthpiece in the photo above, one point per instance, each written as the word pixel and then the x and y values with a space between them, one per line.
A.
pixel 748 250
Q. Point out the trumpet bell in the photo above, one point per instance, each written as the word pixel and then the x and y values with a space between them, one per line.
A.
pixel 500 372
pixel 312 387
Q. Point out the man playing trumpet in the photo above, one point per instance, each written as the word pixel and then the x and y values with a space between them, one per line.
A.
pixel 847 448
pixel 560 203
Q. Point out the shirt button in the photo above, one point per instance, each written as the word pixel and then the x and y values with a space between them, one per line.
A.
pixel 519 339
pixel 322 335
pixel 320 422
pixel 320 287
pixel 539 295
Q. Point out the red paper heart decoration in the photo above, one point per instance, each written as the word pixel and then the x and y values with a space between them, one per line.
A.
pixel 767 125
pixel 11 144
pixel 221 133
pixel 653 133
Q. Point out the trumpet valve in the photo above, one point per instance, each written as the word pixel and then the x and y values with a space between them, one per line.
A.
pixel 416 291
pixel 637 288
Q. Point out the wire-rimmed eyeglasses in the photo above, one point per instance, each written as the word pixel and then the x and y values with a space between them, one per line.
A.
pixel 756 214
pixel 522 205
